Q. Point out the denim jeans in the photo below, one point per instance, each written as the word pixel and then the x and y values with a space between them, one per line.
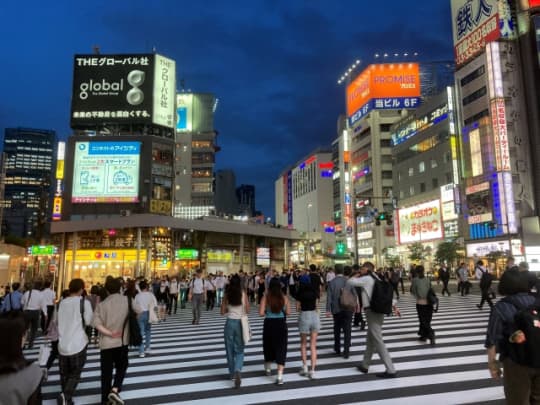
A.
pixel 234 345
pixel 146 328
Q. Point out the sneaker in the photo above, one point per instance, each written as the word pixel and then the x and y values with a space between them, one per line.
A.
pixel 114 397
pixel 386 374
pixel 268 372
pixel 141 355
pixel 312 375
pixel 279 380
pixel 237 379
pixel 304 371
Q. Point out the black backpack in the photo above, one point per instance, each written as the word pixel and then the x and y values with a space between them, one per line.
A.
pixel 381 297
pixel 486 279
pixel 526 320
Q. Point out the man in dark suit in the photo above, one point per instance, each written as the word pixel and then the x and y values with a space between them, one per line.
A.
pixel 342 318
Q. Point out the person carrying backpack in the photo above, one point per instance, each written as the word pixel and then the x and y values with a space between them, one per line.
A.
pixel 517 342
pixel 334 306
pixel 485 277
pixel 377 302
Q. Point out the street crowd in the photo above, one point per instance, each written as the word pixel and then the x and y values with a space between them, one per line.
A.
pixel 120 313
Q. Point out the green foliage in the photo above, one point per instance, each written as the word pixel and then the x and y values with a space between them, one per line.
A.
pixel 417 252
pixel 447 252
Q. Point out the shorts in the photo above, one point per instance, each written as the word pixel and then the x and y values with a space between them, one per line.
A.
pixel 309 322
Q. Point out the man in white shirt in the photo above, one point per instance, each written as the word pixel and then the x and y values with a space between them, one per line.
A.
pixel 49 298
pixel 197 296
pixel 173 295
pixel 33 306
pixel 220 287
pixel 74 313
pixel 330 275
pixel 374 339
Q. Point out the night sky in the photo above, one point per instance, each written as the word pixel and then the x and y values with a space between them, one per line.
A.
pixel 273 64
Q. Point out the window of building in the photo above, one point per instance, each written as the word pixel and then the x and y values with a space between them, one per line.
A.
pixel 474 96
pixel 411 171
pixel 476 117
pixel 401 194
pixel 421 167
pixel 435 182
pixel 411 190
pixel 473 75
pixel 433 163
pixel 385 127
pixel 422 187
pixel 448 177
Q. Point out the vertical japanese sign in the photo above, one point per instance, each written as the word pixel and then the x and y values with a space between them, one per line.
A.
pixel 57 202
pixel 475 22
pixel 164 92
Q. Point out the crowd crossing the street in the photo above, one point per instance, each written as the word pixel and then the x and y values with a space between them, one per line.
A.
pixel 187 363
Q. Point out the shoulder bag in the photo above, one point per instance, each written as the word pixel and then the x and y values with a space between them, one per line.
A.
pixel 135 338
pixel 246 330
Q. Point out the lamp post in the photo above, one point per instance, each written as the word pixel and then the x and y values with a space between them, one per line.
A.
pixel 307 235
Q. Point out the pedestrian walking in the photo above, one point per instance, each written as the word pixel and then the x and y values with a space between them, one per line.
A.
pixel 173 296
pixel 420 288
pixel 184 287
pixel 358 319
pixel 49 298
pixel 521 381
pixel 13 300
pixel 234 305
pixel 342 317
pixel 463 274
pixel 163 299
pixel 444 277
pixel 309 324
pixel 197 296
pixel 220 282
pixel 20 379
pixel 146 302
pixel 110 320
pixel 74 313
pixel 374 339
pixel 210 293
pixel 485 279
pixel 275 308
pixel 34 306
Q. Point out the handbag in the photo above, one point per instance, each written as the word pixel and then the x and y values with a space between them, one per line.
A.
pixel 432 299
pixel 152 316
pixel 244 320
pixel 135 337
pixel 44 353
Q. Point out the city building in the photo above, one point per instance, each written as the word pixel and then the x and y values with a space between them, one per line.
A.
pixel 497 188
pixel 195 155
pixel 245 194
pixel 426 177
pixel 225 199
pixel 29 159
pixel 304 203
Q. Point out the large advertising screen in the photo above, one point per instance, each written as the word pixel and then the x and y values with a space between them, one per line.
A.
pixel 184 112
pixel 383 86
pixel 116 89
pixel 420 223
pixel 105 172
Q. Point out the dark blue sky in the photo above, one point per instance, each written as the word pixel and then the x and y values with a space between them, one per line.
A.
pixel 273 64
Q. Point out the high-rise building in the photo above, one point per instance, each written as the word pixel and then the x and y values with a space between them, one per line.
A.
pixel 28 163
pixel 196 148
pixel 225 197
pixel 304 202
pixel 497 190
pixel 245 194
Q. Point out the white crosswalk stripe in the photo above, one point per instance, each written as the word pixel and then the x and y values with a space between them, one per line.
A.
pixel 188 364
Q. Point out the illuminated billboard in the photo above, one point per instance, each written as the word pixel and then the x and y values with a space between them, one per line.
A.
pixel 184 112
pixel 477 22
pixel 387 86
pixel 420 223
pixel 116 89
pixel 105 172
pixel 263 256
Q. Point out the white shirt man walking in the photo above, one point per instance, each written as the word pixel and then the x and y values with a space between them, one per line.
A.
pixel 197 296
pixel 74 313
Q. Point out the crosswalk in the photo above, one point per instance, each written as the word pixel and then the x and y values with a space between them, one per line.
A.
pixel 188 364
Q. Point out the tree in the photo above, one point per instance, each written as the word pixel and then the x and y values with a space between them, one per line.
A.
pixel 447 252
pixel 417 252
pixel 390 259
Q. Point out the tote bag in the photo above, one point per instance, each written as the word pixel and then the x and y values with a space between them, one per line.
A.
pixel 246 330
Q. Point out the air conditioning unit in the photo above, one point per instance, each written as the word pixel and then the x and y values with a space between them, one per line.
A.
pixel 125 213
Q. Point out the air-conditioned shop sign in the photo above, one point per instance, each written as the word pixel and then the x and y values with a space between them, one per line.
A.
pixel 116 89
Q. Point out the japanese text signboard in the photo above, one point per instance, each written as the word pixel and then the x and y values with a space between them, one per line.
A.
pixel 475 22
pixel 388 86
pixel 106 172
pixel 420 223
pixel 116 89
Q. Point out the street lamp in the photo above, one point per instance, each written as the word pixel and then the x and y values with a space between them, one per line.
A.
pixel 307 235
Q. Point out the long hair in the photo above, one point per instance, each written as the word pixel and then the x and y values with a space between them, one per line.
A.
pixel 11 353
pixel 274 297
pixel 233 291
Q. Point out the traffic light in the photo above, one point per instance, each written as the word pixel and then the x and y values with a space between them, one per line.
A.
pixel 383 216
pixel 340 248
